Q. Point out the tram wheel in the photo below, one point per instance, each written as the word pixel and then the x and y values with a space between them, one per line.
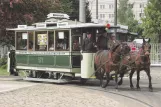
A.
pixel 83 80
pixel 16 74
pixel 105 80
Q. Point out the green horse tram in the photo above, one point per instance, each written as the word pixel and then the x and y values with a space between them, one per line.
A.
pixel 51 50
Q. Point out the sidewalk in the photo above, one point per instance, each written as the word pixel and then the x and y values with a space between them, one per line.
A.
pixel 10 78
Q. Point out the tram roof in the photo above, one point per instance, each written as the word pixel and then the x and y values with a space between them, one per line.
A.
pixel 63 24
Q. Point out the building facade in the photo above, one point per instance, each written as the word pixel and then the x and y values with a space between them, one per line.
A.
pixel 106 9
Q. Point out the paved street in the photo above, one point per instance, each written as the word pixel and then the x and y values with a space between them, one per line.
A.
pixel 24 94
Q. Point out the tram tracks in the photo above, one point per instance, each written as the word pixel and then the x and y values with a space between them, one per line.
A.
pixel 115 93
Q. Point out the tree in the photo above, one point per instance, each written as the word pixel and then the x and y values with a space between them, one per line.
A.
pixel 75 11
pixel 14 12
pixel 152 21
pixel 126 16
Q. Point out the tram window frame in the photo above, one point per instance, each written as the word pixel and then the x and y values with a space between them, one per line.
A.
pixel 61 41
pixel 77 32
pixel 79 41
pixel 37 47
pixel 50 46
pixel 24 48
pixel 31 42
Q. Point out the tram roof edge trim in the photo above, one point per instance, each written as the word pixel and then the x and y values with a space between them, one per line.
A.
pixel 80 25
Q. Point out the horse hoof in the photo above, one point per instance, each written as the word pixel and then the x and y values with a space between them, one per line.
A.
pixel 116 87
pixel 119 83
pixel 132 87
pixel 116 90
pixel 138 88
pixel 151 89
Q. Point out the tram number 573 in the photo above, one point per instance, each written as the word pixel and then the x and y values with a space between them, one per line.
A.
pixel 40 60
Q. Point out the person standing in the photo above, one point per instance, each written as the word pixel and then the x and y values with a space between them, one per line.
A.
pixel 102 41
pixel 112 42
pixel 88 44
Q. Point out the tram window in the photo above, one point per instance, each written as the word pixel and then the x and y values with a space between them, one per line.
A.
pixel 76 43
pixel 21 41
pixel 51 40
pixel 31 41
pixel 41 41
pixel 62 40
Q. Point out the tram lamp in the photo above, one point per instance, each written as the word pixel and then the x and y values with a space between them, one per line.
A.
pixel 108 26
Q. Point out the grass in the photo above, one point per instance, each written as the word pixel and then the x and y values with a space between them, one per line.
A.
pixel 3 72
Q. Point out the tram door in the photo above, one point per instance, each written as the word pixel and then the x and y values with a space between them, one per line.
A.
pixel 87 62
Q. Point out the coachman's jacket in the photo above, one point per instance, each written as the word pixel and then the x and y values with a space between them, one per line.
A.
pixel 88 45
pixel 112 43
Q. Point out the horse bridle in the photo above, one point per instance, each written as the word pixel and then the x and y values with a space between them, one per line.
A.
pixel 118 53
pixel 144 51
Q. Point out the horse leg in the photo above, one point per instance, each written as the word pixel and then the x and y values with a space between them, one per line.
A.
pixel 116 79
pixel 104 84
pixel 138 78
pixel 149 77
pixel 101 77
pixel 121 80
pixel 131 74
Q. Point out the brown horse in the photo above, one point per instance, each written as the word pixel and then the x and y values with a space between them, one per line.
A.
pixel 140 61
pixel 108 60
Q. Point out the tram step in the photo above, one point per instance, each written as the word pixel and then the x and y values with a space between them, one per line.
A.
pixel 47 80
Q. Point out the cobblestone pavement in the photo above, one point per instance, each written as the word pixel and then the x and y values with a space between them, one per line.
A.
pixel 27 94
pixel 155 74
pixel 50 95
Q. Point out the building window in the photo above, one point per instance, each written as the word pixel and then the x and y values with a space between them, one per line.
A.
pixel 141 5
pixel 111 6
pixel 141 14
pixel 102 6
pixel 102 16
pixel 111 15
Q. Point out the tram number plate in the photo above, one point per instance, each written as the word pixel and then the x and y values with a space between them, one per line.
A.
pixel 40 60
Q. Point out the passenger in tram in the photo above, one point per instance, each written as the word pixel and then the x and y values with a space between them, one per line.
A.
pixel 112 41
pixel 76 45
pixel 51 47
pixel 88 44
pixel 61 45
pixel 30 45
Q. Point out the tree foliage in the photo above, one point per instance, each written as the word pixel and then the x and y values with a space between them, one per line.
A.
pixel 152 21
pixel 14 12
pixel 75 11
pixel 126 16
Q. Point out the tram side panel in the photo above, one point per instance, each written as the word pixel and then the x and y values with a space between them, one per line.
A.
pixel 44 61
pixel 47 62
pixel 87 65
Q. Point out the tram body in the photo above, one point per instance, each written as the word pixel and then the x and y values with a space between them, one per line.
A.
pixel 45 51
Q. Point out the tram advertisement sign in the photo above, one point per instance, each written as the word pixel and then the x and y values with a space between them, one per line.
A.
pixel 42 39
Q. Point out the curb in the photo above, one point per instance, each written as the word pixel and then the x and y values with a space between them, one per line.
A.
pixel 10 78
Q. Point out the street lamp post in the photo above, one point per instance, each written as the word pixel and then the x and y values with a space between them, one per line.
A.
pixel 82 12
pixel 115 17
pixel 96 9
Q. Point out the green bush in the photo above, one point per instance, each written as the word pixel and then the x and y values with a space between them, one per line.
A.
pixel 4 66
pixel 3 61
